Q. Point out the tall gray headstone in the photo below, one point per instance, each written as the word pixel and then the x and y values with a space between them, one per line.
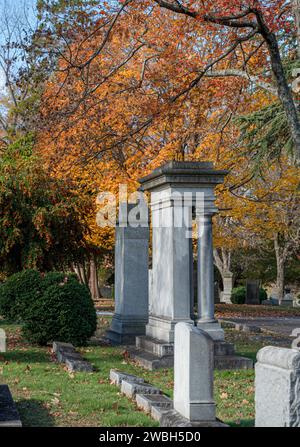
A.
pixel 252 292
pixel 193 374
pixel 131 279
pixel 2 341
pixel 277 387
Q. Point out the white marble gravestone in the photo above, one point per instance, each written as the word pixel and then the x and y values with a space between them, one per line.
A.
pixel 131 279
pixel 277 387
pixel 2 341
pixel 193 374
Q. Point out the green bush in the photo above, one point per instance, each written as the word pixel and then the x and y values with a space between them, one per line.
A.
pixel 238 295
pixel 262 295
pixel 17 292
pixel 63 312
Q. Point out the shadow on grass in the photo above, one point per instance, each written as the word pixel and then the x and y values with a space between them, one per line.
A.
pixel 34 414
pixel 26 357
pixel 244 423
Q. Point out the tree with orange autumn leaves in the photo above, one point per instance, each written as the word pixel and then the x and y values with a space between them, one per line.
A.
pixel 125 102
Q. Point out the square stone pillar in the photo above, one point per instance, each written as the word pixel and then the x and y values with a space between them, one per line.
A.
pixel 131 282
pixel 171 276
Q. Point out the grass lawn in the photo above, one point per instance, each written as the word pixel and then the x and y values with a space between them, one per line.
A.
pixel 47 395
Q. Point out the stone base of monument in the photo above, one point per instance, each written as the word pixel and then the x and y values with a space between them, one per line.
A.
pixel 154 354
pixel 146 402
pixel 171 418
pixel 123 331
pixel 9 416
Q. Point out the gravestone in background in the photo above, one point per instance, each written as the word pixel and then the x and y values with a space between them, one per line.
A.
pixel 2 341
pixel 252 292
pixel 277 387
pixel 227 288
pixel 131 279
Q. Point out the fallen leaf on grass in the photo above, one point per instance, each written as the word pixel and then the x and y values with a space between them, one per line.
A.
pixel 224 396
pixel 55 414
pixel 55 401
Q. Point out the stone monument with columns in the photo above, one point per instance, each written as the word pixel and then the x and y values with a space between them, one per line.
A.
pixel 131 278
pixel 180 191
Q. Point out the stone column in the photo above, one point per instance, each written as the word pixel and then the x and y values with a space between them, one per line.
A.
pixel 193 374
pixel 206 299
pixel 131 282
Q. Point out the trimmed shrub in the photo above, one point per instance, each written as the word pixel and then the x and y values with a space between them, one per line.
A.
pixel 262 295
pixel 238 295
pixel 17 292
pixel 63 312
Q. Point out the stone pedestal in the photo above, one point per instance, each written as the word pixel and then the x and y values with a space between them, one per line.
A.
pixel 131 283
pixel 227 288
pixel 277 387
pixel 193 374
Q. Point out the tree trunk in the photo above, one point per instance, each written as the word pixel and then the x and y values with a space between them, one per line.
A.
pixel 280 280
pixel 284 92
pixel 296 8
pixel 280 262
pixel 93 279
